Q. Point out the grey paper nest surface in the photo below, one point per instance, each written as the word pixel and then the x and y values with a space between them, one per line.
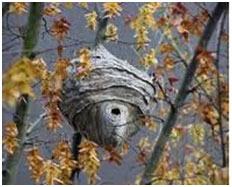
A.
pixel 106 105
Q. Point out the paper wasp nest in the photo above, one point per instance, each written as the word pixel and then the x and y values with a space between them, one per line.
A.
pixel 106 105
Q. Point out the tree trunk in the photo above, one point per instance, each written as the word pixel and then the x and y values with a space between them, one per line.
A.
pixel 21 113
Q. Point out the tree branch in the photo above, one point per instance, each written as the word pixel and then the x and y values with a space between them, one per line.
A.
pixel 101 27
pixel 77 137
pixel 21 114
pixel 219 34
pixel 5 8
pixel 181 95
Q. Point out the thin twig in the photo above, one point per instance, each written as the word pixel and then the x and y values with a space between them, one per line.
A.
pixel 34 124
pixel 9 28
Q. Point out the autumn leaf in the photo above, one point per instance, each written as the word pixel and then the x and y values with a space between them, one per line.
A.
pixel 111 32
pixel 179 9
pixel 84 67
pixel 48 171
pixel 143 146
pixel 166 48
pixel 91 19
pixel 88 160
pixel 161 22
pixel 177 132
pixel 142 22
pixel 60 28
pixel 145 16
pixel 183 28
pixel 149 58
pixel 51 173
pixel 51 88
pixel 149 123
pixel 186 24
pixel 111 9
pixel 60 68
pixel 83 4
pixel 10 140
pixel 197 132
pixel 224 93
pixel 173 173
pixel 172 80
pixel 205 57
pixel 52 9
pixel 36 164
pixel 124 148
pixel 225 36
pixel 143 143
pixel 18 78
pixel 53 118
pixel 18 7
pixel 113 155
pixel 168 62
pixel 138 179
pixel 190 168
pixel 142 38
pixel 208 113
pixel 67 164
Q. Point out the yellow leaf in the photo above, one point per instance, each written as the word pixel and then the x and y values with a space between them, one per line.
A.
pixel 143 143
pixel 88 160
pixel 197 131
pixel 124 148
pixel 84 66
pixel 174 173
pixel 138 179
pixel 149 58
pixel 190 168
pixel 111 32
pixel 142 22
pixel 51 173
pixel 52 9
pixel 91 19
pixel 111 9
pixel 83 4
pixel 35 163
pixel 166 48
pixel 18 78
pixel 149 123
pixel 177 132
pixel 141 35
pixel 168 62
pixel 18 7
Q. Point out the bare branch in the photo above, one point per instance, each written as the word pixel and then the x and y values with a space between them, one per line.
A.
pixel 33 125
pixel 101 27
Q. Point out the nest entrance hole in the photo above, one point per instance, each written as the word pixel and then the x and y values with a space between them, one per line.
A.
pixel 116 111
